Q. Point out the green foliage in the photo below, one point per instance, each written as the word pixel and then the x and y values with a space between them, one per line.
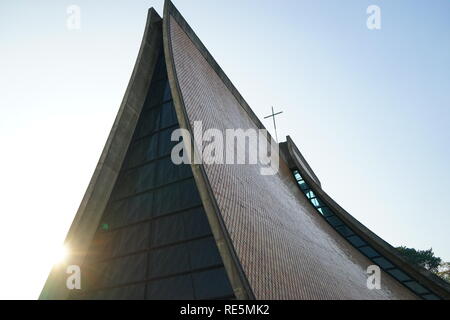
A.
pixel 423 258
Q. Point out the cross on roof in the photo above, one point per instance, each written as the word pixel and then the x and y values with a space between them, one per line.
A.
pixel 273 115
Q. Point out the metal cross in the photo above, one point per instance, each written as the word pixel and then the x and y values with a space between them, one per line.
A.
pixel 274 123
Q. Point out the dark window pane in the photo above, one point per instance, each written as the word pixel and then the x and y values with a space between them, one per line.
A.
pixel 165 142
pixel 142 151
pixel 167 172
pixel 204 253
pixel 131 239
pixel 212 284
pixel 196 224
pixel 135 292
pixel 310 194
pixel 431 297
pixel 318 202
pixel 94 275
pixel 344 231
pixel 167 92
pixel 124 270
pixel 326 212
pixel 126 185
pixel 167 230
pixel 169 261
pixel 303 185
pixel 149 122
pixel 334 221
pixel 160 92
pixel 160 69
pixel 383 263
pixel 315 202
pixel 399 275
pixel 185 192
pixel 101 246
pixel 369 252
pixel 177 288
pixel 139 207
pixel 145 177
pixel 417 288
pixel 127 211
pixel 356 241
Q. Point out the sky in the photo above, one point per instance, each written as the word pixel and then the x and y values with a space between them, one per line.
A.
pixel 369 109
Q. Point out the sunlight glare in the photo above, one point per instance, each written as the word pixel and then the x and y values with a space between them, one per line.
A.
pixel 60 254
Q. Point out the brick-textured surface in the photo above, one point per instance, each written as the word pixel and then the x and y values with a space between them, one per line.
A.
pixel 286 249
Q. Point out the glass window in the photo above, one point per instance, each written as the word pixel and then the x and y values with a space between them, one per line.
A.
pixel 356 241
pixel 303 185
pixel 212 284
pixel 326 212
pixel 204 253
pixel 167 230
pixel 167 93
pixel 168 261
pixel 176 288
pixel 318 203
pixel 168 115
pixel 149 122
pixel 431 297
pixel 369 252
pixel 399 275
pixel 124 270
pixel 344 231
pixel 383 263
pixel 334 221
pixel 166 172
pixel 160 69
pixel 184 191
pixel 142 151
pixel 131 239
pixel 144 178
pixel 125 185
pixel 135 292
pixel 165 142
pixel 133 209
pixel 315 202
pixel 159 93
pixel 196 224
pixel 310 194
pixel 417 288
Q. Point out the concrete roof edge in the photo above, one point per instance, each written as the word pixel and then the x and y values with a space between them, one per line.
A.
pixel 423 276
pixel 99 190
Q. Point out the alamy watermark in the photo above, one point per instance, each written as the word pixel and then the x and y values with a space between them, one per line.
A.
pixel 374 279
pixel 374 19
pixel 73 282
pixel 231 147
pixel 73 21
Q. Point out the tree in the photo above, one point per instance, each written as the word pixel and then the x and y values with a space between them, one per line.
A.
pixel 423 258
pixel 444 271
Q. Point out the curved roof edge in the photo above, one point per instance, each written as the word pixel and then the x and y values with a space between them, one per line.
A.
pixel 298 159
pixel 94 202
pixel 421 275
pixel 213 63
pixel 233 267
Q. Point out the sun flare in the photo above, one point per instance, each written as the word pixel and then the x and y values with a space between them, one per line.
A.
pixel 60 254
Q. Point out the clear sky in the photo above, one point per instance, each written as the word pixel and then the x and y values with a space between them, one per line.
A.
pixel 369 109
